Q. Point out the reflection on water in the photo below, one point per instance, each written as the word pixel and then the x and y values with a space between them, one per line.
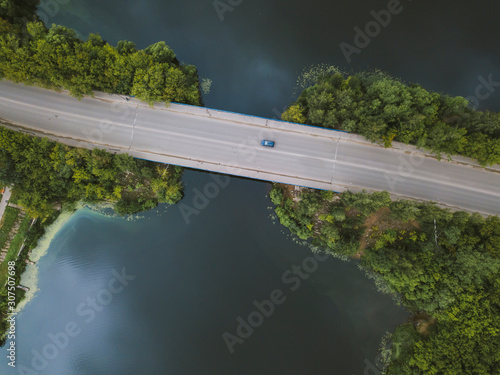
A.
pixel 187 285
pixel 194 280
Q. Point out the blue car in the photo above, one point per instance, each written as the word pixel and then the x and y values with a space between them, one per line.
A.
pixel 267 143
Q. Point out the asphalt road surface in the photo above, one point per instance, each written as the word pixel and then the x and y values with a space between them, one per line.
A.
pixel 229 143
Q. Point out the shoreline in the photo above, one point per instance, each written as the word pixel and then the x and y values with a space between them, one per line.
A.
pixel 29 277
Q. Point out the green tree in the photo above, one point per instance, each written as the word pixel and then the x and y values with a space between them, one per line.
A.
pixel 161 53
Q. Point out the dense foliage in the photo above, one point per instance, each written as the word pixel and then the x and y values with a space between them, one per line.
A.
pixel 380 107
pixel 56 58
pixel 443 265
pixel 45 174
pixel 18 11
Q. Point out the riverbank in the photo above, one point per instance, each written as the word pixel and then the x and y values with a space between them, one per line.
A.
pixel 29 278
pixel 434 262
pixel 18 259
pixel 26 264
pixel 48 177
pixel 14 226
pixel 30 257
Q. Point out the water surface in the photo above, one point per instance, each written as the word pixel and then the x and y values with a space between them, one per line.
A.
pixel 191 283
pixel 193 280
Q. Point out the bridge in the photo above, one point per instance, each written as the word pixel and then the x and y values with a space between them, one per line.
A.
pixel 229 143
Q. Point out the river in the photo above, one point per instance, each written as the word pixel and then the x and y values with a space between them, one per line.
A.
pixel 159 293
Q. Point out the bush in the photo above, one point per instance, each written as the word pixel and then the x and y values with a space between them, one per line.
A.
pixel 383 108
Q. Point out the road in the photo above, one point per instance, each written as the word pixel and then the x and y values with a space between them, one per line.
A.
pixel 5 201
pixel 229 143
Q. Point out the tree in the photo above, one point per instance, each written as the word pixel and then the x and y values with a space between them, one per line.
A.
pixel 148 84
pixel 126 47
pixel 276 196
pixel 45 173
pixel 61 35
pixel 294 114
pixel 161 53
pixel 404 210
pixel 56 58
pixel 18 11
pixel 454 282
pixel 381 107
pixel 36 30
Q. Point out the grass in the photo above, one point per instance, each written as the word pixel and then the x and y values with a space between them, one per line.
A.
pixel 14 196
pixel 14 248
pixel 24 232
pixel 21 233
pixel 20 266
pixel 10 216
pixel 8 220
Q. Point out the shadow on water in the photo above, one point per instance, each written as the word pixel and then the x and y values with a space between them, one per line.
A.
pixel 191 284
pixel 194 278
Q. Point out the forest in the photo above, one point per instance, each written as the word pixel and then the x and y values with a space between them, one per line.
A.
pixel 383 109
pixel 443 266
pixel 56 58
pixel 47 174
